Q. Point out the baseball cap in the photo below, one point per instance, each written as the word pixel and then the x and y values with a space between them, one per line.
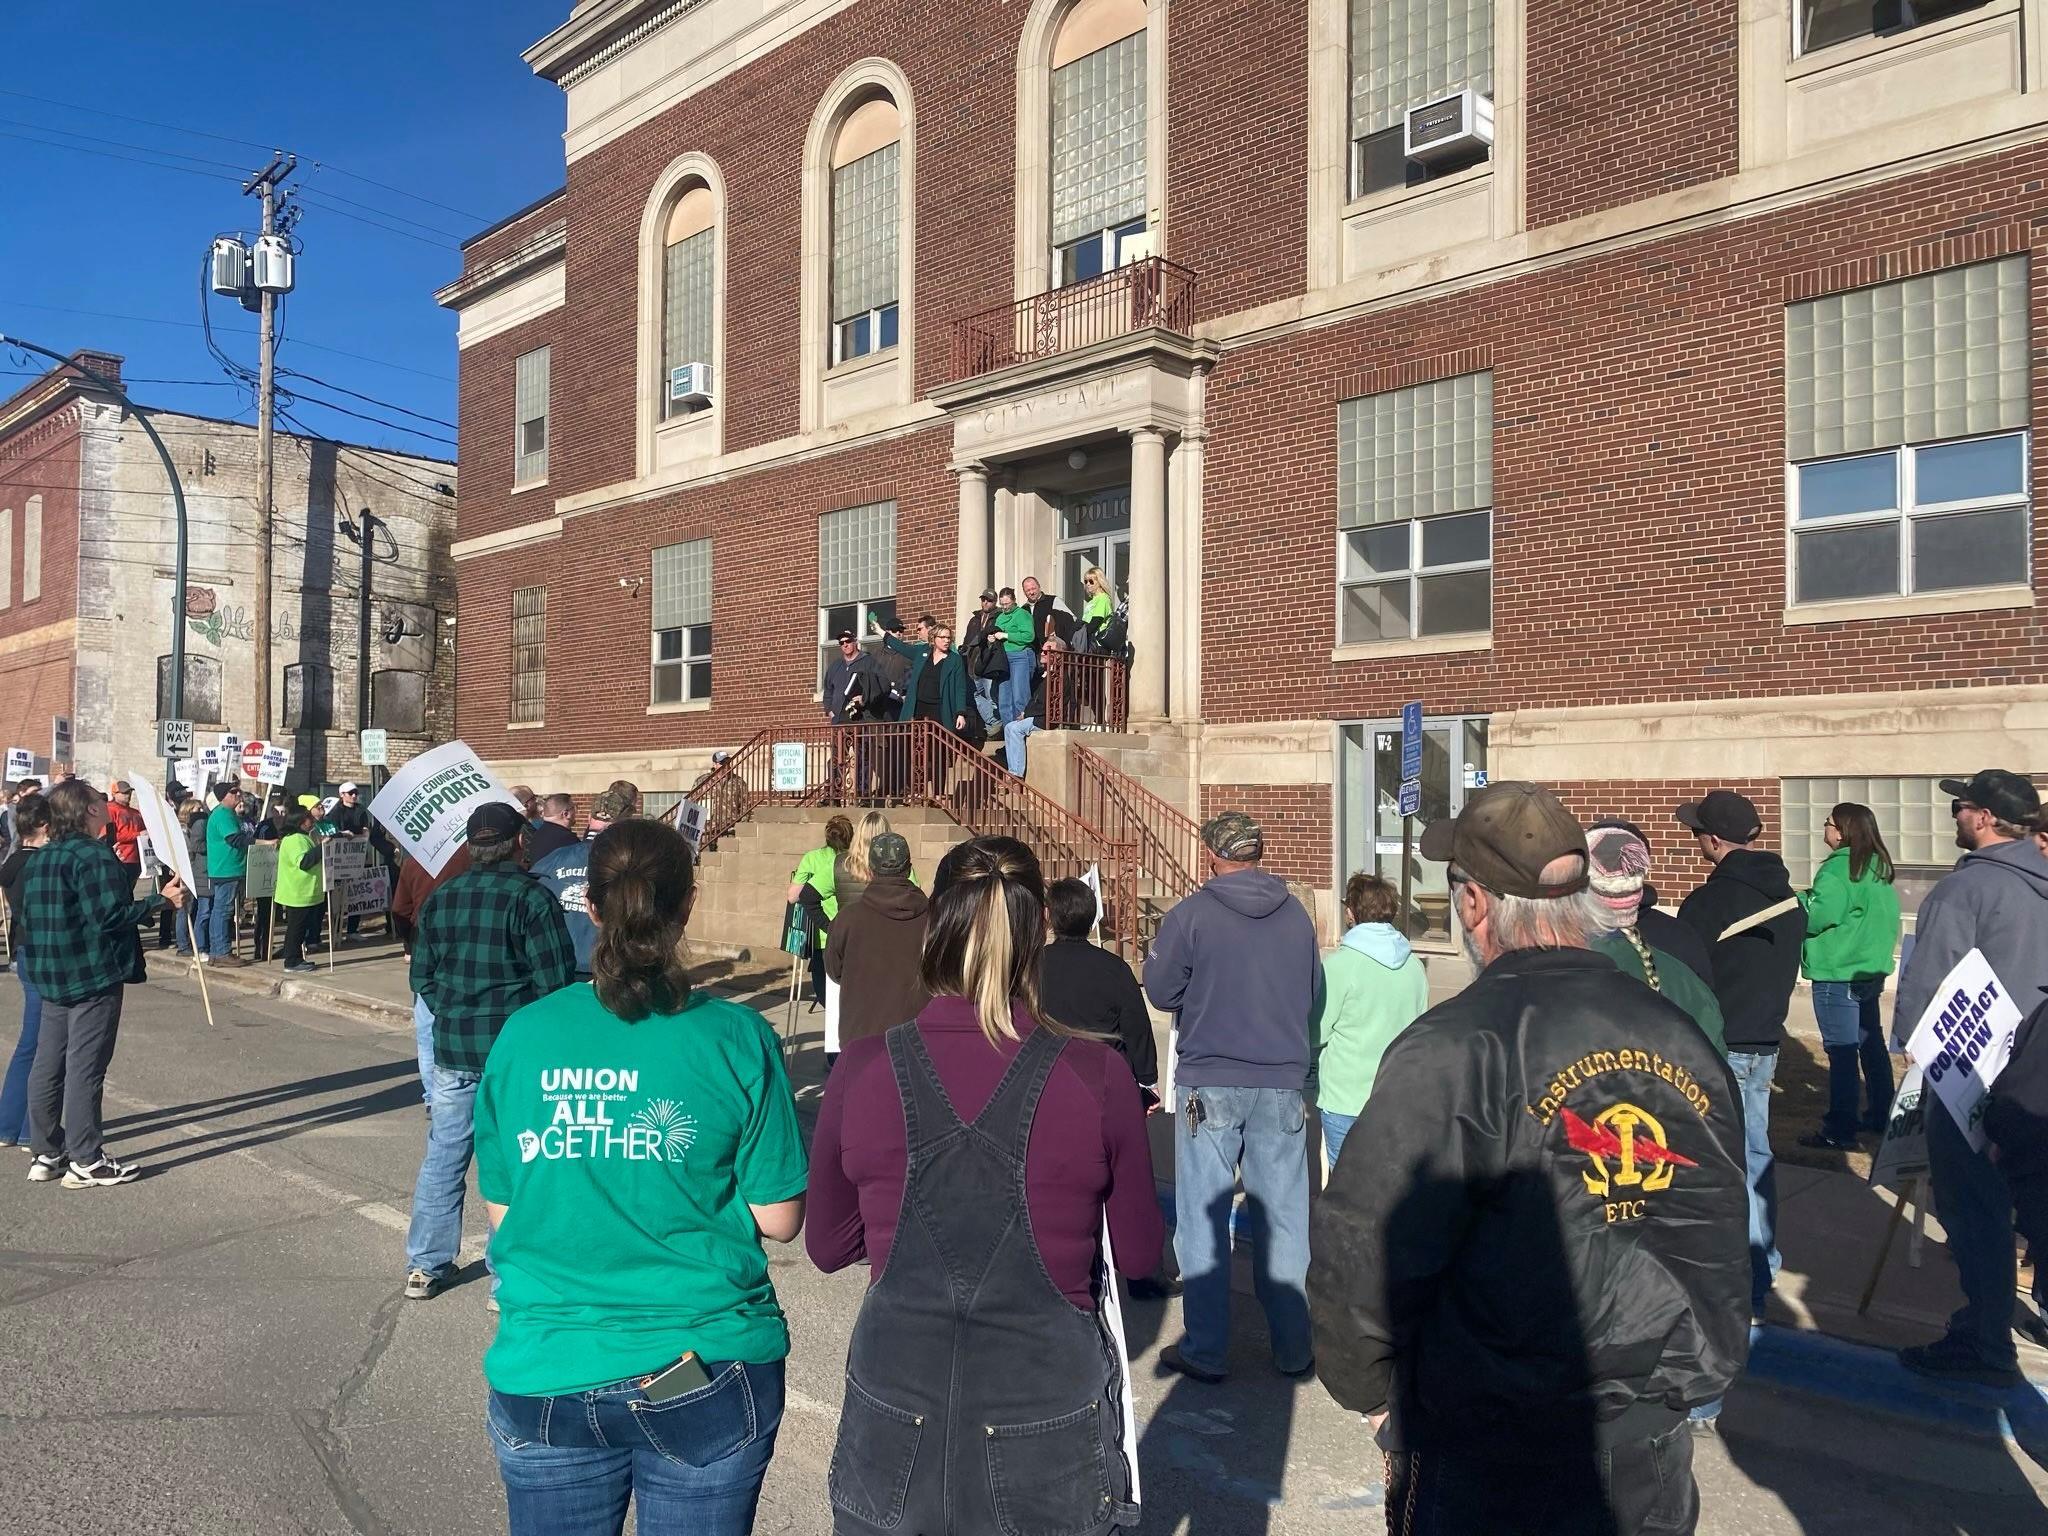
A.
pixel 1722 813
pixel 121 787
pixel 846 634
pixel 1505 837
pixel 348 789
pixel 2008 796
pixel 495 822
pixel 1234 836
pixel 889 854
pixel 988 594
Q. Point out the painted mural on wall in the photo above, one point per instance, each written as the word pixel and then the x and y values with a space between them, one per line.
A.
pixel 214 621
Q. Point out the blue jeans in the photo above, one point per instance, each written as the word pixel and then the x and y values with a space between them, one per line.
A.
pixel 435 1236
pixel 1975 1205
pixel 1017 690
pixel 985 701
pixel 14 1087
pixel 1261 1134
pixel 1015 754
pixel 1335 1128
pixel 692 1466
pixel 423 1043
pixel 1853 1033
pixel 226 893
pixel 193 923
pixel 1753 1072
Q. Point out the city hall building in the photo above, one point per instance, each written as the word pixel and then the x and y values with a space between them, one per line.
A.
pixel 1649 395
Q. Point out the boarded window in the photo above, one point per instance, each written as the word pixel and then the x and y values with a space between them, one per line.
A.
pixel 529 654
pixel 398 702
pixel 201 703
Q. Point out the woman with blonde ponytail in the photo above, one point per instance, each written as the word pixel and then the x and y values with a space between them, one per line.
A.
pixel 635 1144
pixel 970 1155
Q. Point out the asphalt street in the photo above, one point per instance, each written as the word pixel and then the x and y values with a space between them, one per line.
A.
pixel 222 1348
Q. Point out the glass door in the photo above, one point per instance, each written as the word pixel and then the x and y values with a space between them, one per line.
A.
pixel 1369 809
pixel 1094 530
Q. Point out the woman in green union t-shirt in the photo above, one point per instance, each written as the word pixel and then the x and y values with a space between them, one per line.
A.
pixel 634 1145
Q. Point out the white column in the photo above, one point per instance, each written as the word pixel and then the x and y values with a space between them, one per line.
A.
pixel 971 551
pixel 1184 688
pixel 1149 593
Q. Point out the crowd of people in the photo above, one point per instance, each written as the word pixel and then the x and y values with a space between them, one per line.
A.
pixel 1548 1226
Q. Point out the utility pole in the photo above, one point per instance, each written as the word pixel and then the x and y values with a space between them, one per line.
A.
pixel 363 533
pixel 265 183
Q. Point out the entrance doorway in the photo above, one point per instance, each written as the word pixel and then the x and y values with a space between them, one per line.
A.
pixel 1094 529
pixel 1369 809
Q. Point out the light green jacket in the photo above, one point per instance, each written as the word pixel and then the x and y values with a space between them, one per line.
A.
pixel 1373 988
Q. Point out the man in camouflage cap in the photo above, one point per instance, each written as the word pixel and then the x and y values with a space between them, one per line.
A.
pixel 1236 964
pixel 566 871
pixel 619 802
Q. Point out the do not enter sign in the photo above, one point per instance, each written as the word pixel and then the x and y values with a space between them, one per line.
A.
pixel 252 757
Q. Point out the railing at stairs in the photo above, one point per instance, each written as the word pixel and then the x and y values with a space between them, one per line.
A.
pixel 916 762
pixel 1168 844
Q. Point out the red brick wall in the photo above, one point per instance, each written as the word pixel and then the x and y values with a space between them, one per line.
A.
pixel 36 667
pixel 1294 817
pixel 1627 103
pixel 1638 474
pixel 482 250
pixel 485 403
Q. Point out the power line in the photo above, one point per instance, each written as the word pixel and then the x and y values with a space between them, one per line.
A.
pixel 317 201
pixel 147 149
pixel 201 133
pixel 306 187
pixel 357 176
pixel 328 405
pixel 238 330
pixel 87 149
pixel 366 399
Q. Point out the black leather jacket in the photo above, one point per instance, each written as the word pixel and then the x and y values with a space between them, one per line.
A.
pixel 1536 1241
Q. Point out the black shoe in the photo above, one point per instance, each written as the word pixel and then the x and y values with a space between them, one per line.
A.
pixel 1948 1360
pixel 1170 1358
pixel 1152 1288
pixel 2031 1327
pixel 1821 1141
pixel 1306 1373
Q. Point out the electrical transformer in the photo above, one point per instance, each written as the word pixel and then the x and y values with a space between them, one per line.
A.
pixel 230 265
pixel 273 264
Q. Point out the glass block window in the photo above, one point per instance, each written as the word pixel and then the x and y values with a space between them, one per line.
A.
pixel 1414 511
pixel 657 803
pixel 682 622
pixel 1929 518
pixel 529 654
pixel 1405 53
pixel 32 550
pixel 530 409
pixel 1912 813
pixel 687 316
pixel 864 233
pixel 202 690
pixel 1944 355
pixel 1098 140
pixel 857 554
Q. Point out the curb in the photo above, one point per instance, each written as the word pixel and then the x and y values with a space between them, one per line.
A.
pixel 252 981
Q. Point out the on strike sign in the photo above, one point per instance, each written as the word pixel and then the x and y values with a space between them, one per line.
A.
pixel 1964 1040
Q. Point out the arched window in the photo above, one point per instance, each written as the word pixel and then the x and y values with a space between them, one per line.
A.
pixel 689 301
pixel 866 160
pixel 1098 139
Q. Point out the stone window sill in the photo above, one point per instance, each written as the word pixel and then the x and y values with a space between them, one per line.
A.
pixel 1822 60
pixel 1964 600
pixel 529 485
pixel 683 707
pixel 861 364
pixel 1394 197
pixel 1422 645
pixel 526 725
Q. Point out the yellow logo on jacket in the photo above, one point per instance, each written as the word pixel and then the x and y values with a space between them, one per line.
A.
pixel 1629 1152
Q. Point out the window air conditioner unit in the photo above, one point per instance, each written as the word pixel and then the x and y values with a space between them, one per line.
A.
pixel 1142 246
pixel 1450 126
pixel 690 384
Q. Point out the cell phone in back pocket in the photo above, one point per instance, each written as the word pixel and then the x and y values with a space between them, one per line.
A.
pixel 685 1376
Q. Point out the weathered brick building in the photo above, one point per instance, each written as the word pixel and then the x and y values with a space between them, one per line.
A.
pixel 88 534
pixel 1650 395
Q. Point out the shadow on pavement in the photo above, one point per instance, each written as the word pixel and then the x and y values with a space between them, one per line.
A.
pixel 170 1117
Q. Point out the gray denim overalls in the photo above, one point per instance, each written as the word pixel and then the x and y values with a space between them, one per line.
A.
pixel 979 1400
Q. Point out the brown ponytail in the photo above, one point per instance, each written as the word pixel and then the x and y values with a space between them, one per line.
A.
pixel 641 883
pixel 987 928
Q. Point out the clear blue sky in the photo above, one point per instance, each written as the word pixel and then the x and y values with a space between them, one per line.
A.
pixel 429 96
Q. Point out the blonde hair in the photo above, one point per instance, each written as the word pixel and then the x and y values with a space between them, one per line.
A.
pixel 987 928
pixel 1094 574
pixel 872 826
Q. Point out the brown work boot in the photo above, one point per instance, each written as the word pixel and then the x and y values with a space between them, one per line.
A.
pixel 227 960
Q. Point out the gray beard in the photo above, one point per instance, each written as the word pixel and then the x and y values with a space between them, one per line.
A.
pixel 1472 951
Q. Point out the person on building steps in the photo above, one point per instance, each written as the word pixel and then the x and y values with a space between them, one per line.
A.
pixel 980 1323
pixel 1017 733
pixel 1020 654
pixel 981 648
pixel 1852 939
pixel 640 1349
pixel 1374 987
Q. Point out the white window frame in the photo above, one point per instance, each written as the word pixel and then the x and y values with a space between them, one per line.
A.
pixel 1415 575
pixel 520 452
pixel 32 550
pixel 864 608
pixel 843 333
pixel 1906 513
pixel 682 664
pixel 1798 10
pixel 1111 243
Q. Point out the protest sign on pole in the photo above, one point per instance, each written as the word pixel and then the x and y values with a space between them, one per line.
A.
pixel 690 822
pixel 21 763
pixel 1964 1040
pixel 426 805
pixel 1902 1156
pixel 1113 1318
pixel 252 757
pixel 276 765
pixel 168 839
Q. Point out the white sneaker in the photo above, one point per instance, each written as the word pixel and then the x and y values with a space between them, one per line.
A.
pixel 43 1169
pixel 104 1174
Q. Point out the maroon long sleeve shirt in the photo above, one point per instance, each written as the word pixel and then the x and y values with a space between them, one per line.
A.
pixel 1087 1154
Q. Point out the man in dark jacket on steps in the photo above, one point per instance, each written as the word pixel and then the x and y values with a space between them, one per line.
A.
pixel 1237 962
pixel 1529 1261
pixel 1753 926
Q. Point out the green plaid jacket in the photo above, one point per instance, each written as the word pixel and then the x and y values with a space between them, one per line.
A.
pixel 488 942
pixel 79 910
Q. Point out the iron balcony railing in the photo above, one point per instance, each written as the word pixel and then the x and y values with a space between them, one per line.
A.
pixel 1145 295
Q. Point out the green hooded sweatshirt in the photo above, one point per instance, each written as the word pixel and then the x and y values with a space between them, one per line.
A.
pixel 1373 988
pixel 1852 926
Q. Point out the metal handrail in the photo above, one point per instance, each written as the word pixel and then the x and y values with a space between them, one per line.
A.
pixel 1169 843
pixel 1086 691
pixel 1145 295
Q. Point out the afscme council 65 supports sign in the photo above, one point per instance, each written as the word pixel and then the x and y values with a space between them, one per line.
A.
pixel 426 805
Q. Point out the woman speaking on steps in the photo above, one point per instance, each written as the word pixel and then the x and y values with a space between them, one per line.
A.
pixel 970 1155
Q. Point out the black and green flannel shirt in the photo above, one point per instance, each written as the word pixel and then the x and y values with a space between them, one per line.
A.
pixel 79 909
pixel 488 942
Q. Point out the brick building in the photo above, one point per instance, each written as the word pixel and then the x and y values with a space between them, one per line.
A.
pixel 88 534
pixel 1649 396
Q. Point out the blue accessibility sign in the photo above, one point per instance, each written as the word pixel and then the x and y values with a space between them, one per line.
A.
pixel 1411 740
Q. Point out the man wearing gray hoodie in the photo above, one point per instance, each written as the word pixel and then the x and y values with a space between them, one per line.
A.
pixel 1236 963
pixel 1995 900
